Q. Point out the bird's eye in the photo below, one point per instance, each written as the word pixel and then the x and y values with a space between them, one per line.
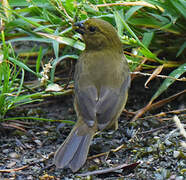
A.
pixel 92 28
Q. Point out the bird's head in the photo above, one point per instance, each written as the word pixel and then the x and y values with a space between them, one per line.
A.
pixel 98 34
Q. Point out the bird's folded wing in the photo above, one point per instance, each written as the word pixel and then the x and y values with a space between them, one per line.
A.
pixel 103 108
pixel 85 101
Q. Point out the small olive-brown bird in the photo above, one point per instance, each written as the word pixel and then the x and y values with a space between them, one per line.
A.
pixel 102 81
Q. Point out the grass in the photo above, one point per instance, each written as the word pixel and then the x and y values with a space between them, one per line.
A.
pixel 154 30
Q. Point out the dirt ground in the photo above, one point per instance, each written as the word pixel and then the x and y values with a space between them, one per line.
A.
pixel 154 142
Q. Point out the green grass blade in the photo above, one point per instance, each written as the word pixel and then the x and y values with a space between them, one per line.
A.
pixel 22 65
pixel 56 46
pixel 39 119
pixel 30 39
pixel 167 82
pixel 147 38
pixel 180 6
pixel 131 12
pixel 145 51
pixel 34 22
pixel 38 61
pixel 21 82
pixel 119 24
pixel 183 46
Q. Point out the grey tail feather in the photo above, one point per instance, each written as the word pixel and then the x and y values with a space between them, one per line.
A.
pixel 73 152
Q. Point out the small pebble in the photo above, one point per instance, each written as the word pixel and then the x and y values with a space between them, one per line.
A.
pixel 14 155
pixel 11 164
pixel 176 154
pixel 5 151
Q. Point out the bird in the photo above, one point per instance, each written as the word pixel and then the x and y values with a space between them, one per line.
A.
pixel 101 84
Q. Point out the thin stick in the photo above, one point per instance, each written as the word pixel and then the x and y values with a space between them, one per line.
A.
pixel 161 76
pixel 108 170
pixel 137 3
pixel 12 170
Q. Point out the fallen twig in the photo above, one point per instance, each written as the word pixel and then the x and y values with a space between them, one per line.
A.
pixel 163 114
pixel 12 170
pixel 108 170
pixel 156 129
pixel 156 105
pixel 13 126
pixel 137 3
pixel 99 155
pixel 107 153
pixel 161 76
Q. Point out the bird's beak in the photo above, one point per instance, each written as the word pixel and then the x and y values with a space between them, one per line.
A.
pixel 79 27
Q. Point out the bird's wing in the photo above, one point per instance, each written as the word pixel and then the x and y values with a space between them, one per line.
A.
pixel 104 108
pixel 85 103
pixel 111 103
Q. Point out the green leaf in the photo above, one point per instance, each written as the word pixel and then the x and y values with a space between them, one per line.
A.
pixel 38 61
pixel 27 3
pixel 167 82
pixel 144 50
pixel 22 65
pixel 69 5
pixel 56 46
pixel 40 119
pixel 21 82
pixel 33 21
pixel 151 22
pixel 180 6
pixel 183 46
pixel 147 38
pixel 131 11
pixel 45 40
pixel 119 24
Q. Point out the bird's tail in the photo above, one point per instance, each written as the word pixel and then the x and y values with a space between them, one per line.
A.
pixel 73 152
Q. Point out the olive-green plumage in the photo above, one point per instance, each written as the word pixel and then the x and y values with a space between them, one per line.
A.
pixel 102 81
